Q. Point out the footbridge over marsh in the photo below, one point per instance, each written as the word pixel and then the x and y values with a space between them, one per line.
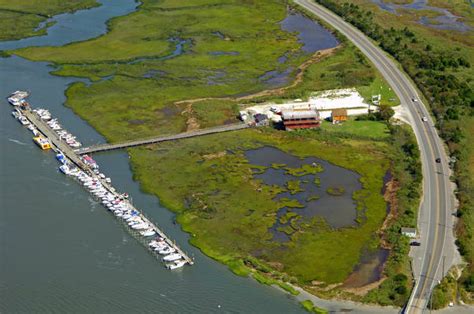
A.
pixel 107 147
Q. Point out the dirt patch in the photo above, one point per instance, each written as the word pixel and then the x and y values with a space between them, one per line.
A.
pixel 191 121
pixel 361 291
pixel 390 195
pixel 214 156
pixel 136 122
pixel 276 265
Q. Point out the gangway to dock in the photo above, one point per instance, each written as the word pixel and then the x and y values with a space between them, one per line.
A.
pixel 212 130
pixel 75 158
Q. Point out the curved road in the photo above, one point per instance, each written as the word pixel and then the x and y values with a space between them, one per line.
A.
pixel 437 201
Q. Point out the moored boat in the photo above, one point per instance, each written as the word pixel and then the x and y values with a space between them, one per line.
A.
pixel 148 233
pixel 176 264
pixel 172 257
pixel 42 142
pixel 23 120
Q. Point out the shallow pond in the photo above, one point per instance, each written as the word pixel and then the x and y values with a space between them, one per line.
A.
pixel 312 35
pixel 314 193
pixel 446 20
pixel 369 269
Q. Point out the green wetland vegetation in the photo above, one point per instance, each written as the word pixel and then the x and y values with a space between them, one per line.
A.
pixel 20 19
pixel 171 51
pixel 209 183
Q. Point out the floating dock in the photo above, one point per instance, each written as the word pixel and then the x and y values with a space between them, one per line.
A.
pixel 69 153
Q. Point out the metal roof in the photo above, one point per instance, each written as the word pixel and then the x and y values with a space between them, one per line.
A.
pixel 300 114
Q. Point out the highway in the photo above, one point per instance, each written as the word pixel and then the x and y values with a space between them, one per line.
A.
pixel 435 216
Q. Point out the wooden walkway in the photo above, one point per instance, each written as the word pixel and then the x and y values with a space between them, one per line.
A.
pixel 106 147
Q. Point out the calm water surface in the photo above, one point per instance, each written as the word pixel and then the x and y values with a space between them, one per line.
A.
pixel 60 250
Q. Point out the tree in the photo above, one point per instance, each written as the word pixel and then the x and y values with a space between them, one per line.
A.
pixel 385 112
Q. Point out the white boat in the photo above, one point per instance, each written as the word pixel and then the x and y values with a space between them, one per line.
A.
pixel 167 250
pixel 176 264
pixel 43 114
pixel 172 257
pixel 15 114
pixel 140 226
pixel 33 130
pixel 20 94
pixel 65 169
pixel 135 222
pixel 23 120
pixel 148 233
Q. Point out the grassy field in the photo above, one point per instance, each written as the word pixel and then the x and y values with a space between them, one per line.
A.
pixel 366 129
pixel 19 19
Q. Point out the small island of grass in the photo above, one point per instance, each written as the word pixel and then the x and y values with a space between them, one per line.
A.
pixel 336 190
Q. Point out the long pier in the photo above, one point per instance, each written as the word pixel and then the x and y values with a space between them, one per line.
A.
pixel 106 147
pixel 75 158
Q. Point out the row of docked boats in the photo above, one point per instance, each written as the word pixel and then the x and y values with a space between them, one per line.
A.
pixel 39 140
pixel 99 186
pixel 120 207
pixel 64 135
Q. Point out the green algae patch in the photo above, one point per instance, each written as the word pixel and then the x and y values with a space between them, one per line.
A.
pixel 335 190
pixel 229 213
pixel 287 217
pixel 294 186
pixel 304 170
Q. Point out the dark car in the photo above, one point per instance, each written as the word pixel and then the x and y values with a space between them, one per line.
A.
pixel 415 243
pixel 438 160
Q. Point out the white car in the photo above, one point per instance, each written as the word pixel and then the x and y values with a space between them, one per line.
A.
pixel 424 119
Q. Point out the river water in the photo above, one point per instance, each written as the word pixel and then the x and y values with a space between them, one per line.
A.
pixel 60 251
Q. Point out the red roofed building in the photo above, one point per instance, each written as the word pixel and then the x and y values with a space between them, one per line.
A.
pixel 300 119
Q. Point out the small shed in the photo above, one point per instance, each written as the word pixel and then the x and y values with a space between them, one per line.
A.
pixel 409 232
pixel 339 115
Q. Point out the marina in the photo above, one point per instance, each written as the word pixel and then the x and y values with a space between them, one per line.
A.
pixel 49 134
